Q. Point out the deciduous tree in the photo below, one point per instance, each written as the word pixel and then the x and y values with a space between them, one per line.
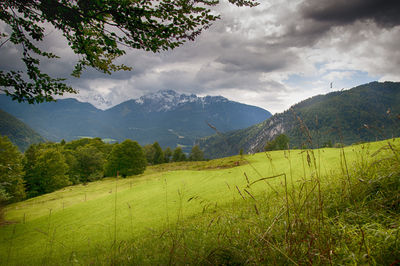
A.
pixel 196 154
pixel 11 172
pixel 46 170
pixel 281 142
pixel 158 154
pixel 178 155
pixel 127 158
pixel 89 163
pixel 149 152
pixel 167 155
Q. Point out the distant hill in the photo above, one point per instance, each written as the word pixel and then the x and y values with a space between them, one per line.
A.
pixel 364 113
pixel 18 132
pixel 166 116
pixel 65 119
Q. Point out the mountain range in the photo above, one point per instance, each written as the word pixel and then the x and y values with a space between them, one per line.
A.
pixel 165 116
pixel 364 113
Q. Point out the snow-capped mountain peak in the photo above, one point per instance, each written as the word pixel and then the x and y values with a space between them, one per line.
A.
pixel 166 100
pixel 96 100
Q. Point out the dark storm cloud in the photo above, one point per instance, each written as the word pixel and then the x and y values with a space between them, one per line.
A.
pixel 341 12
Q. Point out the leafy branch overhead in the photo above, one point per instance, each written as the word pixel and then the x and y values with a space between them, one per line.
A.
pixel 98 31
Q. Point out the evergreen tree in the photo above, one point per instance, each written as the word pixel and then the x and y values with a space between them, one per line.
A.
pixel 11 172
pixel 127 158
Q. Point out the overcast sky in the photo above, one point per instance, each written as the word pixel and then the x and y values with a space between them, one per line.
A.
pixel 272 56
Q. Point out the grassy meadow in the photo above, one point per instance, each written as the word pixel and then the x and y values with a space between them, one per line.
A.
pixel 324 206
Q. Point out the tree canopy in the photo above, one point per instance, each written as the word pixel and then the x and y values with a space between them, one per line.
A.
pixel 280 142
pixel 11 173
pixel 196 154
pixel 46 170
pixel 98 32
pixel 88 163
pixel 167 155
pixel 127 158
pixel 158 154
pixel 178 155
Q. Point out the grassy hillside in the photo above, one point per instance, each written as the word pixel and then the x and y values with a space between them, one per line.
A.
pixel 365 113
pixel 18 132
pixel 322 206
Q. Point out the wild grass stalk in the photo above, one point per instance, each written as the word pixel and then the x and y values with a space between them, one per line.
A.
pixel 304 218
pixel 131 218
pixel 52 239
pixel 115 222
pixel 11 242
pixel 166 201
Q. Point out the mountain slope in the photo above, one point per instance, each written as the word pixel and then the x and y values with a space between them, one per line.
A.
pixel 172 118
pixel 358 114
pixel 166 116
pixel 18 132
pixel 65 119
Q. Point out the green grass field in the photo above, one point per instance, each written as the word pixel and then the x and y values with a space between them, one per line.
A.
pixel 224 211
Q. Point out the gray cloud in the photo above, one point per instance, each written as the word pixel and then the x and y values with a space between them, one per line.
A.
pixel 250 54
pixel 252 61
pixel 340 12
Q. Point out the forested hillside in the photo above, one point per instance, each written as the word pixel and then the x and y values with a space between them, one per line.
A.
pixel 364 113
pixel 18 132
